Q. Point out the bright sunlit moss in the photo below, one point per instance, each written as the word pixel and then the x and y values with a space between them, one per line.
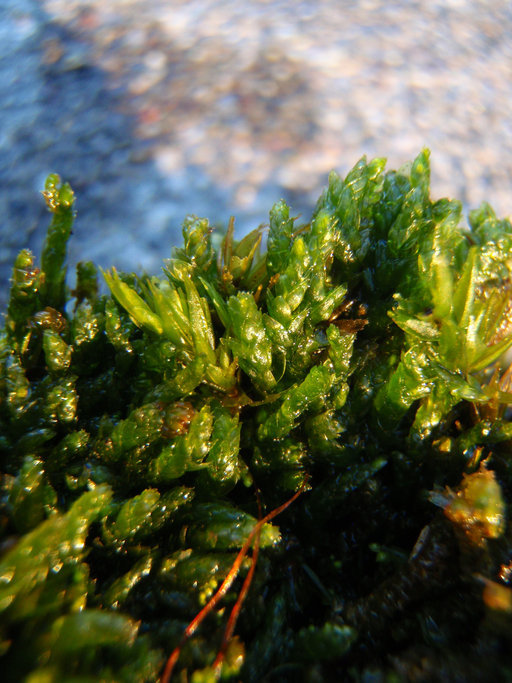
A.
pixel 353 369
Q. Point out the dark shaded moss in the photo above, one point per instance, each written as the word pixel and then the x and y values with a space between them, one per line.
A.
pixel 359 359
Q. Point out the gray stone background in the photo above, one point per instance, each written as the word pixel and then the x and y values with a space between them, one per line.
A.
pixel 153 109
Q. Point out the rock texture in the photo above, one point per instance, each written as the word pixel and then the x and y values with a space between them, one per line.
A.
pixel 155 110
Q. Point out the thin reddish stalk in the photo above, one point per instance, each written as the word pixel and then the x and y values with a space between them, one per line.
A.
pixel 235 612
pixel 224 587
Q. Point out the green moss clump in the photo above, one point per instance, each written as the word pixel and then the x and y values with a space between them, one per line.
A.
pixel 356 364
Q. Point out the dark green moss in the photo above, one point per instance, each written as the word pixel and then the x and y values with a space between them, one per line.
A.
pixel 359 360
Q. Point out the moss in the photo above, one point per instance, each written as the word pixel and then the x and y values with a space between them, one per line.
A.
pixel 350 377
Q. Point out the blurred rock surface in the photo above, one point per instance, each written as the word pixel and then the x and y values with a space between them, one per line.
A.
pixel 153 110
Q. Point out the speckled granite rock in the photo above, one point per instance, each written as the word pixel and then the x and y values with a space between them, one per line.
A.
pixel 154 110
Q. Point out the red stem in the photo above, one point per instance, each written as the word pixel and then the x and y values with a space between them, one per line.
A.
pixel 224 587
pixel 235 612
